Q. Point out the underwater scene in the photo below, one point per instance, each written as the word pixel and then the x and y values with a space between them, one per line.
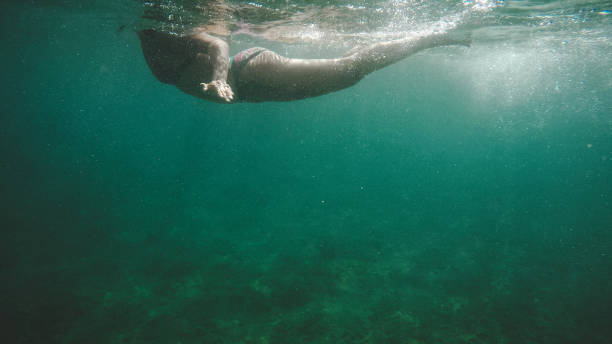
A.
pixel 460 195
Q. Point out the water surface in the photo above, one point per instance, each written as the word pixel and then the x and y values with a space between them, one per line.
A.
pixel 459 196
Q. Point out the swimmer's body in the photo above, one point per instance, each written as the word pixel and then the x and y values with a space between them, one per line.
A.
pixel 199 64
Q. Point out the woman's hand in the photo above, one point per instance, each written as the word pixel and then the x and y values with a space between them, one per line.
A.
pixel 218 89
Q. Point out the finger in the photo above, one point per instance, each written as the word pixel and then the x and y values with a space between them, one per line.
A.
pixel 221 94
pixel 228 94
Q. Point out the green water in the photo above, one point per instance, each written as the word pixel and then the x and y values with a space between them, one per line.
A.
pixel 460 196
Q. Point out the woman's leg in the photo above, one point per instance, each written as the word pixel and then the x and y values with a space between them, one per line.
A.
pixel 381 55
pixel 271 77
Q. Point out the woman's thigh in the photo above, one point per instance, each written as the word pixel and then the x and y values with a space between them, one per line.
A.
pixel 270 76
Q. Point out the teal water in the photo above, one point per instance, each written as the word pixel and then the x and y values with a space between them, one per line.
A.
pixel 459 196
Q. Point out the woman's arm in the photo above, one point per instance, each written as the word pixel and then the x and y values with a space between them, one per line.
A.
pixel 218 52
pixel 212 55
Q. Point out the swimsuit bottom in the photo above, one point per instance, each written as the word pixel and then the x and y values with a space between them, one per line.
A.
pixel 240 60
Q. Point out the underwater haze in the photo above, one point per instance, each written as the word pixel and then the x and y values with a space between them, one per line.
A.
pixel 462 195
